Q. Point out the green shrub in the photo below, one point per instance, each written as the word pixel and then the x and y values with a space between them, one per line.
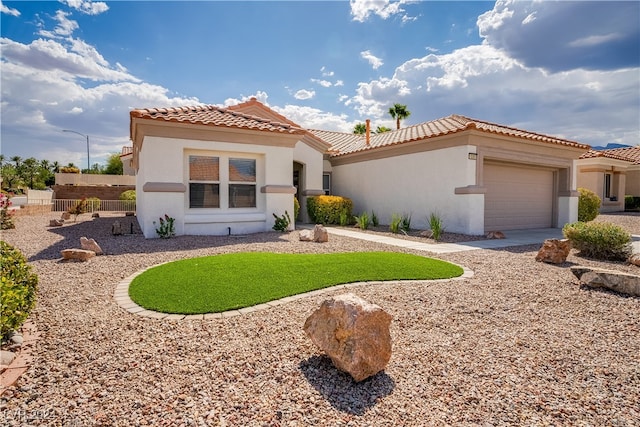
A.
pixel 395 223
pixel 405 223
pixel 17 289
pixel 128 195
pixel 363 220
pixel 93 204
pixel 166 228
pixel 437 226
pixel 327 209
pixel 296 208
pixel 588 205
pixel 600 240
pixel 282 223
pixel 344 219
pixel 374 219
pixel 631 203
pixel 78 209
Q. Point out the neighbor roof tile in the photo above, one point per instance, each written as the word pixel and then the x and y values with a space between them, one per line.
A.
pixel 346 143
pixel 211 115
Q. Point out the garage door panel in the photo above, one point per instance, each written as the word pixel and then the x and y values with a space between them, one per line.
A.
pixel 517 197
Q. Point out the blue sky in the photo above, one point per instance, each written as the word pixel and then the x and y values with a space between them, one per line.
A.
pixel 568 69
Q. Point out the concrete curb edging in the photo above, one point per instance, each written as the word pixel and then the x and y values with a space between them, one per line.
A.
pixel 121 296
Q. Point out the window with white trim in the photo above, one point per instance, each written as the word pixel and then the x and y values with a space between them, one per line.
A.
pixel 204 182
pixel 242 183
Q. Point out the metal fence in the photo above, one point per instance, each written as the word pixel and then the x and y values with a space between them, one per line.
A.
pixel 62 205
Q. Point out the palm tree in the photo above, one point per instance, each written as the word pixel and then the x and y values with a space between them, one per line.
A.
pixel 360 129
pixel 55 166
pixel 399 112
pixel 382 129
pixel 17 160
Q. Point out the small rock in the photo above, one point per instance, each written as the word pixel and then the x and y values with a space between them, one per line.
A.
pixel 77 254
pixel 616 281
pixel 634 259
pixel 95 215
pixel 496 235
pixel 66 216
pixel 6 357
pixel 90 245
pixel 56 222
pixel 353 333
pixel 554 251
pixel 16 338
pixel 306 235
pixel 129 214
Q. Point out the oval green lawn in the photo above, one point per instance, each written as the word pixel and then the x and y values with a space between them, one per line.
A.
pixel 219 283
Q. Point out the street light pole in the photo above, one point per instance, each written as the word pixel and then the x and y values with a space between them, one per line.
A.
pixel 86 136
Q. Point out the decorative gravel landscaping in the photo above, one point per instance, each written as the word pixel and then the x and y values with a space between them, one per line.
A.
pixel 520 343
pixel 225 282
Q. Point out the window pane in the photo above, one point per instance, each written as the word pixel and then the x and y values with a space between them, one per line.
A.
pixel 326 183
pixel 242 196
pixel 204 195
pixel 243 170
pixel 204 168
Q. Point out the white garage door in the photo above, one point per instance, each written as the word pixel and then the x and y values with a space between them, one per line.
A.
pixel 517 197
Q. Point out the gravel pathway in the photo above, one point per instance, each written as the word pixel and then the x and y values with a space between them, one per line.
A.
pixel 520 343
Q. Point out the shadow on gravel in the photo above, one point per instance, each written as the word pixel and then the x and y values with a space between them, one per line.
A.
pixel 340 390
pixel 133 241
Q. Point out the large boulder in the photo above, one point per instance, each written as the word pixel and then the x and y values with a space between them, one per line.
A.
pixel 616 281
pixel 353 333
pixel 77 254
pixel 554 251
pixel 90 245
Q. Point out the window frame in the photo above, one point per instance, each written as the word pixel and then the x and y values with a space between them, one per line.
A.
pixel 204 182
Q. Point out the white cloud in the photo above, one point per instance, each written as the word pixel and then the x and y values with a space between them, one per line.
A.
pixel 339 83
pixel 483 82
pixel 567 35
pixel 304 94
pixel 69 59
pixel 372 59
pixel 8 10
pixel 43 92
pixel 323 83
pixel 88 7
pixel 325 72
pixel 595 40
pixel 260 95
pixel 362 9
pixel 313 118
pixel 65 26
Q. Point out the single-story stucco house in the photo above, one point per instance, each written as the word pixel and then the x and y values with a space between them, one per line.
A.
pixel 611 174
pixel 228 170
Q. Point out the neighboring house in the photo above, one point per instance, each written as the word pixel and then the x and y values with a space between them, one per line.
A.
pixel 611 174
pixel 220 170
pixel 126 157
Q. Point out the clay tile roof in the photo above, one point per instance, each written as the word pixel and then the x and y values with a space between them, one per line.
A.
pixel 211 115
pixel 345 143
pixel 627 154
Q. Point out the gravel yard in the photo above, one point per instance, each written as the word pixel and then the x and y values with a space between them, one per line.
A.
pixel 520 343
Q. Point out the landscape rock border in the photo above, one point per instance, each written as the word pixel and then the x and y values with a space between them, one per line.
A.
pixel 23 359
pixel 121 296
